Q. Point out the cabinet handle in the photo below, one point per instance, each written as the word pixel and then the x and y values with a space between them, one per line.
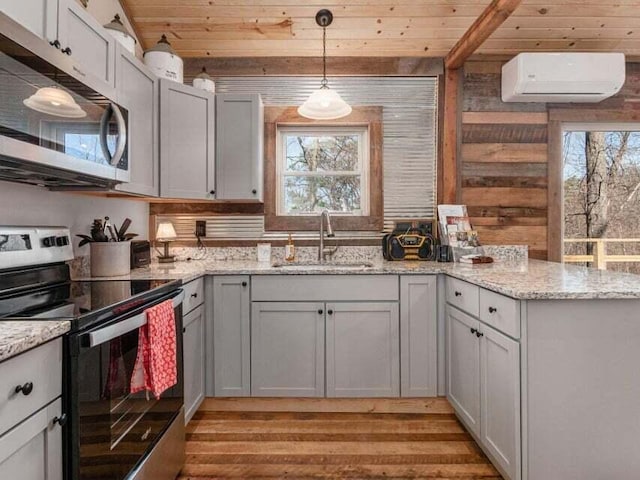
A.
pixel 194 295
pixel 55 43
pixel 61 420
pixel 479 334
pixel 254 191
pixel 492 310
pixel 66 50
pixel 244 284
pixel 330 312
pixel 320 311
pixel 473 330
pixel 458 294
pixel 26 389
pixel 212 192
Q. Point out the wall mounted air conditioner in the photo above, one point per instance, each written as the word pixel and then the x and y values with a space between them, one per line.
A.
pixel 562 77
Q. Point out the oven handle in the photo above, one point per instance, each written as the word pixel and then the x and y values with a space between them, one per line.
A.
pixel 113 110
pixel 113 331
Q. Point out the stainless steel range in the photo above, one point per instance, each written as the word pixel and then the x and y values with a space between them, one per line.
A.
pixel 108 432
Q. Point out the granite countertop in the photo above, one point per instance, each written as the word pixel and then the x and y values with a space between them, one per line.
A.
pixel 524 280
pixel 21 335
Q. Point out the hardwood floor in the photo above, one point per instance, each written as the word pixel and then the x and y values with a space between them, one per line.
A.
pixel 331 438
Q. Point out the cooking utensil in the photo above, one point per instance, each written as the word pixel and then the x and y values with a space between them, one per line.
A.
pixel 112 233
pixel 123 229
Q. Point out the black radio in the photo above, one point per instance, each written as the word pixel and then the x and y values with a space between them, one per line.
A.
pixel 409 243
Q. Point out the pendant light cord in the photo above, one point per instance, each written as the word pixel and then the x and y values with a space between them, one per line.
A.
pixel 324 58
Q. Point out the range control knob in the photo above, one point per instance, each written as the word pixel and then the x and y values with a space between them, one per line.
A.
pixel 49 242
pixel 62 241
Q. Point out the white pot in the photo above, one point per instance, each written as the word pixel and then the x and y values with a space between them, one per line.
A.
pixel 110 259
pixel 127 41
pixel 165 65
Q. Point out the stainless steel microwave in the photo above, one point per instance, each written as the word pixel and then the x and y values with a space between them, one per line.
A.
pixel 59 125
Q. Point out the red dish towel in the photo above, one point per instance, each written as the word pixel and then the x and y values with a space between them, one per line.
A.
pixel 156 363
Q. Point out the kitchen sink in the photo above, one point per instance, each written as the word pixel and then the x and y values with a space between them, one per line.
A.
pixel 323 266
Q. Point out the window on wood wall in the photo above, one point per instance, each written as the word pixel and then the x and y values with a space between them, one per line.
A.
pixel 601 189
pixel 312 165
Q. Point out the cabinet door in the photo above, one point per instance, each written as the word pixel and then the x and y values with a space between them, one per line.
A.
pixel 137 89
pixel 39 16
pixel 187 129
pixel 463 369
pixel 33 449
pixel 239 141
pixel 418 336
pixel 231 336
pixel 88 43
pixel 500 399
pixel 194 361
pixel 287 349
pixel 363 358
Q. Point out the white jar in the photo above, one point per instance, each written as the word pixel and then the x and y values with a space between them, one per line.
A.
pixel 204 82
pixel 164 61
pixel 110 259
pixel 117 30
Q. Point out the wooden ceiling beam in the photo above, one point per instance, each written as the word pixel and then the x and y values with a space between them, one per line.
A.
pixel 487 23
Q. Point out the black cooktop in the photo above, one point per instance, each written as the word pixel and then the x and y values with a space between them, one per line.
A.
pixel 85 303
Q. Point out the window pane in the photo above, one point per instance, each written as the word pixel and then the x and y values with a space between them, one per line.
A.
pixel 321 153
pixel 314 194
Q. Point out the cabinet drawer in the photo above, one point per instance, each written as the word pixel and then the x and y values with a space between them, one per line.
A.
pixel 321 288
pixel 41 367
pixel 463 295
pixel 502 313
pixel 193 295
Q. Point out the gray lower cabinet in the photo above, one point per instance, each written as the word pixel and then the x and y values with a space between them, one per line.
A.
pixel 137 89
pixel 239 146
pixel 187 146
pixel 32 450
pixel 39 16
pixel 418 336
pixel 231 336
pixel 362 349
pixel 500 399
pixel 463 367
pixel 287 349
pixel 193 338
pixel 84 39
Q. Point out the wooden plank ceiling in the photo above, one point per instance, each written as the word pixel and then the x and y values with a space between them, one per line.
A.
pixel 254 28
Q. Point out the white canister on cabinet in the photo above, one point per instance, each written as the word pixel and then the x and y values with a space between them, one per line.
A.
pixel 164 61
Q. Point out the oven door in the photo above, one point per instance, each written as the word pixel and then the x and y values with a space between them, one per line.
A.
pixel 111 430
pixel 50 116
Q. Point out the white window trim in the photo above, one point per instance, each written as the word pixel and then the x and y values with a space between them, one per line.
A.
pixel 363 164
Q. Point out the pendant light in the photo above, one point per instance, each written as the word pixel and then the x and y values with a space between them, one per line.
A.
pixel 324 103
pixel 54 101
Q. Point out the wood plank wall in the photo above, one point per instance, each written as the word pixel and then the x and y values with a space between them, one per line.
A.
pixel 504 161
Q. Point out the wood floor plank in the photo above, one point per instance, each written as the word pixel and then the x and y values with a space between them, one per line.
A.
pixel 326 405
pixel 345 438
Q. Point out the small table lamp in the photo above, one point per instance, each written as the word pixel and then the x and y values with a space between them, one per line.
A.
pixel 166 233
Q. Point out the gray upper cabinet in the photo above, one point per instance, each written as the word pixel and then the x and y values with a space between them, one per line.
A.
pixel 187 146
pixel 287 349
pixel 239 146
pixel 463 369
pixel 362 342
pixel 194 360
pixel 231 336
pixel 33 449
pixel 137 89
pixel 83 38
pixel 418 336
pixel 39 16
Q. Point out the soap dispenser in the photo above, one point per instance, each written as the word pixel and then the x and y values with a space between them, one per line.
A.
pixel 290 250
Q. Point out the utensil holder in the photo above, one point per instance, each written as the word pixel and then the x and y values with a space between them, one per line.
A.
pixel 110 259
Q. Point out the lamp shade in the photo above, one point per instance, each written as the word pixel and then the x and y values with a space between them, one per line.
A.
pixel 54 101
pixel 324 104
pixel 166 231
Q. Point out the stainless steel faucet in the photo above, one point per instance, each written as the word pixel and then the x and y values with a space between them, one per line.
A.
pixel 323 252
